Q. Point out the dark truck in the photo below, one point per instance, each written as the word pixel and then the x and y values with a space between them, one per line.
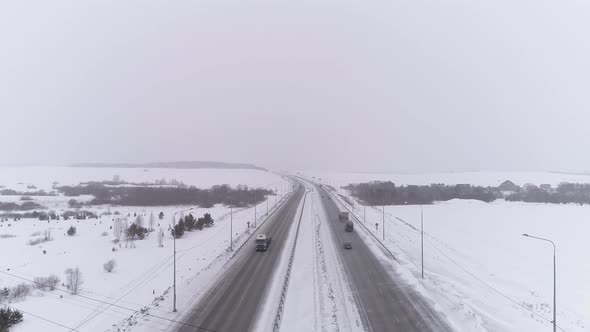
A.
pixel 349 226
pixel 262 242
pixel 343 217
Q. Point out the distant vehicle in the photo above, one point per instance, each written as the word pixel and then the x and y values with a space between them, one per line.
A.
pixel 347 245
pixel 262 242
pixel 343 216
pixel 349 226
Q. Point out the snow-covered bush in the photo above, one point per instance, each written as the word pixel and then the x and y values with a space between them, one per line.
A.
pixel 20 291
pixel 4 294
pixel 46 283
pixel 109 266
pixel 46 237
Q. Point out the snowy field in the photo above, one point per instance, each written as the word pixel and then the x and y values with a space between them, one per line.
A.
pixel 137 293
pixel 479 268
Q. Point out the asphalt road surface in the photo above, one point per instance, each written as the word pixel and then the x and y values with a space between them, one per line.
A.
pixel 385 304
pixel 232 303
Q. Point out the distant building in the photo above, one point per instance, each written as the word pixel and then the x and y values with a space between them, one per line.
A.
pixel 546 187
pixel 508 186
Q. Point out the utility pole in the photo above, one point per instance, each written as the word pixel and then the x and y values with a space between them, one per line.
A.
pixel 267 198
pixel 422 237
pixel 255 205
pixel 174 237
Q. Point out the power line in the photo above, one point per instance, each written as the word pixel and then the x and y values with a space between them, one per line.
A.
pixel 471 274
pixel 127 293
pixel 87 291
pixel 114 305
pixel 80 303
pixel 150 273
pixel 478 279
pixel 490 286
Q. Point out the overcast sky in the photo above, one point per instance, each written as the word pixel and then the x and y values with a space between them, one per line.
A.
pixel 360 85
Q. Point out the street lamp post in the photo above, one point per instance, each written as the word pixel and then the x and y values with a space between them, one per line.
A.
pixel 383 218
pixel 554 279
pixel 422 237
pixel 231 227
pixel 174 240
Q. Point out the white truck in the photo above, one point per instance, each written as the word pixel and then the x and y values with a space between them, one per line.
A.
pixel 262 242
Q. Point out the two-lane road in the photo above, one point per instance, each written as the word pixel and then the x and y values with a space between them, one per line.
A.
pixel 384 303
pixel 232 303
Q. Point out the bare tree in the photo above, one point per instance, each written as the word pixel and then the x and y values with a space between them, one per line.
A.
pixel 160 238
pixel 73 279
pixel 47 235
pixel 152 222
pixel 124 233
pixel 117 229
pixel 139 220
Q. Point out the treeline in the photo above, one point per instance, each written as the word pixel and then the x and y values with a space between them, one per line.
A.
pixel 50 215
pixel 117 181
pixel 578 193
pixel 25 206
pixel 9 192
pixel 239 196
pixel 387 193
pixel 379 193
